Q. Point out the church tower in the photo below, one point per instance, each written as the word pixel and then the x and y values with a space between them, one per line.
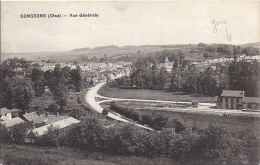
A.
pixel 166 59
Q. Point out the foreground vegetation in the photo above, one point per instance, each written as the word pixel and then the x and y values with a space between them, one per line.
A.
pixel 42 155
pixel 210 145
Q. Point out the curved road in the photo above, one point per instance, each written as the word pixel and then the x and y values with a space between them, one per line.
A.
pixel 91 100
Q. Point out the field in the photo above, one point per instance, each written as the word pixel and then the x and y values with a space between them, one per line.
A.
pixel 147 94
pixel 235 123
pixel 32 155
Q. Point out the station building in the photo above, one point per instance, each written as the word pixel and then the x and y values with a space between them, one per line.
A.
pixel 233 99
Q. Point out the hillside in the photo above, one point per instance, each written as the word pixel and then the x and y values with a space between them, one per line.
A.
pixel 110 51
pixel 113 51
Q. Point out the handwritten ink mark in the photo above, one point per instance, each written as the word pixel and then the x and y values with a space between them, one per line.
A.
pixel 228 36
pixel 216 23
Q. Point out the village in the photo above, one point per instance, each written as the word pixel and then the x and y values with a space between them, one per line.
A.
pixel 102 72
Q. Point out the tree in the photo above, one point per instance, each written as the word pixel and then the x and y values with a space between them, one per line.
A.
pixel 38 81
pixel 76 78
pixel 18 93
pixel 66 71
pixel 206 55
pixel 190 82
pixel 60 95
pixel 163 78
pixel 250 51
pixel 17 134
pixel 244 76
pixel 53 107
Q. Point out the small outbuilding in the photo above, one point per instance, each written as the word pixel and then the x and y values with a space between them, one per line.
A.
pixel 11 122
pixel 195 103
pixel 5 114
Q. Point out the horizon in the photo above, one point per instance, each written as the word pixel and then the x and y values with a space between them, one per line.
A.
pixel 126 24
pixel 93 48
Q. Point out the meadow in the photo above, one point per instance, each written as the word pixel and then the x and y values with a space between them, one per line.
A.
pixel 147 94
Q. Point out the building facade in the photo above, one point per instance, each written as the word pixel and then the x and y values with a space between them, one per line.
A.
pixel 232 99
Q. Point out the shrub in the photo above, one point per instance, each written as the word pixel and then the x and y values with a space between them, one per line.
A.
pixel 16 134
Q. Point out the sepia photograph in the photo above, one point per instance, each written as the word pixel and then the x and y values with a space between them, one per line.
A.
pixel 130 83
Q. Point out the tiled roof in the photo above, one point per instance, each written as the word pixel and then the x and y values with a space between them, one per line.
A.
pixel 12 122
pixel 252 100
pixel 232 93
pixel 5 111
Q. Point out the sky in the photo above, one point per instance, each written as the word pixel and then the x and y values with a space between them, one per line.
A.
pixel 126 23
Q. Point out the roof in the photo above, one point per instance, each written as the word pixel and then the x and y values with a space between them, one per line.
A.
pixel 49 119
pixel 30 116
pixel 11 122
pixel 252 100
pixel 5 111
pixel 58 125
pixel 232 93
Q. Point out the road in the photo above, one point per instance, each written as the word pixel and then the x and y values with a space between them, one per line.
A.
pixel 91 100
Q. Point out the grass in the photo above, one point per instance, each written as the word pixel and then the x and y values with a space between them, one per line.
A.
pixel 33 155
pixel 236 123
pixel 151 95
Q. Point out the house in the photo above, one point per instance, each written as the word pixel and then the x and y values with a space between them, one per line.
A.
pixel 11 122
pixel 5 114
pixel 232 99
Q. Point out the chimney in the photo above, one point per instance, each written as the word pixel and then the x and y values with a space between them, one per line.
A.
pixel 46 114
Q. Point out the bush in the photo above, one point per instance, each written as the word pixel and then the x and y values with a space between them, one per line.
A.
pixel 16 134
pixel 157 122
pixel 53 107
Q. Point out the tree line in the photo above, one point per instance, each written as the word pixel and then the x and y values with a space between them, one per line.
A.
pixel 21 82
pixel 211 81
pixel 228 49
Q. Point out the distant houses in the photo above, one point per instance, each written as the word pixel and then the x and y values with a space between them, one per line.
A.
pixel 233 99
